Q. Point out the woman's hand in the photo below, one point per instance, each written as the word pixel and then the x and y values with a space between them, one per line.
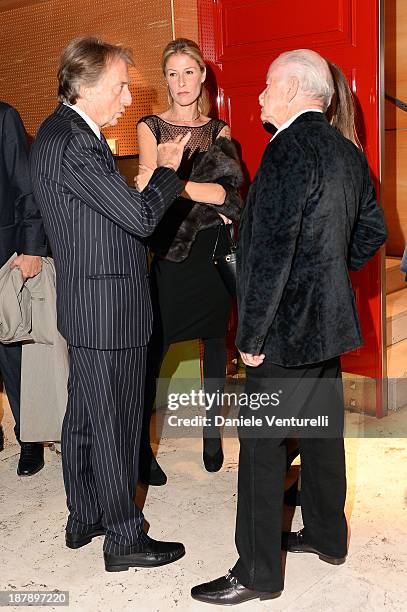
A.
pixel 225 220
pixel 143 177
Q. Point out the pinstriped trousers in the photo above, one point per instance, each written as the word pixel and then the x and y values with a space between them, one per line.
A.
pixel 100 443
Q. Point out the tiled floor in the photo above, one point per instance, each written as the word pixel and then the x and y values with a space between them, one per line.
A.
pixel 199 509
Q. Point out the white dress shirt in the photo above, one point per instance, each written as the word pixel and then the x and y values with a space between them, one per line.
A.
pixel 294 117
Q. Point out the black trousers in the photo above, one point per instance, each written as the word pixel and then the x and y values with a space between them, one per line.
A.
pixel 262 468
pixel 10 369
pixel 100 443
pixel 214 372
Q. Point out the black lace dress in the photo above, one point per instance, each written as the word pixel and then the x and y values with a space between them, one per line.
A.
pixel 190 298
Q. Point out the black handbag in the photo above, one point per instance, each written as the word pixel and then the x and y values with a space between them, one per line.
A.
pixel 226 264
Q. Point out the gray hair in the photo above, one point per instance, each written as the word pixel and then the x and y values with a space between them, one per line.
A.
pixel 312 70
pixel 83 62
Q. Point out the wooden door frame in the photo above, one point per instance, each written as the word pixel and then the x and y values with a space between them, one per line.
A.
pixel 380 389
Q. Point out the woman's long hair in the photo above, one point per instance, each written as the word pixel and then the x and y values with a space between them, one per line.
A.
pixel 341 111
pixel 187 47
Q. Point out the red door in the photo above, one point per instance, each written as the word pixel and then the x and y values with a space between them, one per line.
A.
pixel 240 38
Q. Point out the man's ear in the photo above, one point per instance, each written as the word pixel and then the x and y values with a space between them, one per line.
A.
pixel 86 93
pixel 293 87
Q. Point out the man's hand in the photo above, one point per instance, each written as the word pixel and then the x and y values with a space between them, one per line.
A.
pixel 142 179
pixel 30 265
pixel 170 153
pixel 252 360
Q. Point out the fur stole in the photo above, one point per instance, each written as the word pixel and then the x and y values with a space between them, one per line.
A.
pixel 177 230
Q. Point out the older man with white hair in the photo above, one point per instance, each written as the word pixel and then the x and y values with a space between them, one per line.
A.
pixel 311 215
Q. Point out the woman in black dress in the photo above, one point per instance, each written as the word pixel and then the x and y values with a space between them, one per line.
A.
pixel 189 298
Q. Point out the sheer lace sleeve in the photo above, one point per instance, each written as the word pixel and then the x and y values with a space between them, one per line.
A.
pixel 153 122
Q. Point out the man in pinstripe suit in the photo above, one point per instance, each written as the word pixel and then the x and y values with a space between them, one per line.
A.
pixel 96 225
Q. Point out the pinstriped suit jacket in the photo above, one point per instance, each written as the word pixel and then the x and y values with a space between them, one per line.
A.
pixel 96 225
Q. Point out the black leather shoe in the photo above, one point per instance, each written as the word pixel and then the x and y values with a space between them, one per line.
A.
pixel 227 591
pixel 212 454
pixel 295 541
pixel 150 473
pixel 31 458
pixel 152 554
pixel 1 439
pixel 77 540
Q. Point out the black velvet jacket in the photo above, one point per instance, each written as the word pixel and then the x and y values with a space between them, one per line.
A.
pixel 181 223
pixel 311 215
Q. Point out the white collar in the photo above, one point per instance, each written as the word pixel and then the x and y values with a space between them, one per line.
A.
pixel 294 117
pixel 86 118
